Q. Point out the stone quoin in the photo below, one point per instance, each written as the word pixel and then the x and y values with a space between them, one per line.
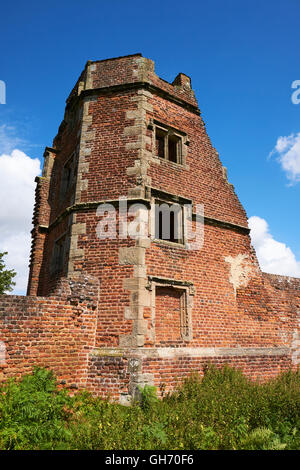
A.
pixel 111 314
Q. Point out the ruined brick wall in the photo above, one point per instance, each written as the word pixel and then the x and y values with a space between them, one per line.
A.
pixel 40 221
pixel 57 332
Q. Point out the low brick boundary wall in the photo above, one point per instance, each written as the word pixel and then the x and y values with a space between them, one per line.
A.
pixel 56 332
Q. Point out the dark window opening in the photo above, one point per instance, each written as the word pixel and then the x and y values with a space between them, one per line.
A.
pixel 169 222
pixel 173 228
pixel 67 176
pixel 59 255
pixel 160 143
pixel 158 226
pixel 173 149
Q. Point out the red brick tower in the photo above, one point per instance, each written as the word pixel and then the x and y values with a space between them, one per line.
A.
pixel 164 308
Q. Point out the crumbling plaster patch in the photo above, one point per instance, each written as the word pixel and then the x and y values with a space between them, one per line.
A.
pixel 241 270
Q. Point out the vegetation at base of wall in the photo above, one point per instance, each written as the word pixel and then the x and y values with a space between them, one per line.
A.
pixel 222 410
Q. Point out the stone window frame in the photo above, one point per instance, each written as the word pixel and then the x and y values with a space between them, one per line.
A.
pixel 188 290
pixel 163 197
pixel 55 265
pixel 170 131
pixel 180 223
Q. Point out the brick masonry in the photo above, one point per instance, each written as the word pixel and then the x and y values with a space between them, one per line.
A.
pixel 122 312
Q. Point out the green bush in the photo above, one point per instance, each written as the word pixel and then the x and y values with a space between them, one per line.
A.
pixel 222 410
pixel 33 413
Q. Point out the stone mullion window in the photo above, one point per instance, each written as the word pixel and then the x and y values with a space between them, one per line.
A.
pixel 167 225
pixel 169 144
pixel 176 219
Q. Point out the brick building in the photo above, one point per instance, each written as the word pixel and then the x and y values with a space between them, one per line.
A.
pixel 107 310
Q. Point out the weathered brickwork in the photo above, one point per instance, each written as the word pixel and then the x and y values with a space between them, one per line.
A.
pixel 162 310
pixel 168 313
pixel 57 332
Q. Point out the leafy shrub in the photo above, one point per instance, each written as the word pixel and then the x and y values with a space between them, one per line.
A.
pixel 148 397
pixel 262 439
pixel 33 413
pixel 222 410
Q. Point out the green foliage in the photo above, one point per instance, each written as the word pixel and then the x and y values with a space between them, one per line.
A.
pixel 262 439
pixel 6 276
pixel 148 397
pixel 222 410
pixel 33 413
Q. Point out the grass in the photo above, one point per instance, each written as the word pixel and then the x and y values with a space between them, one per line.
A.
pixel 222 410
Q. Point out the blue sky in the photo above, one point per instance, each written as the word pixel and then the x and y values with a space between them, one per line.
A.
pixel 242 57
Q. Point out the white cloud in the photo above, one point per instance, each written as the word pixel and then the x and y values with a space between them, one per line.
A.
pixel 273 256
pixel 288 150
pixel 17 186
